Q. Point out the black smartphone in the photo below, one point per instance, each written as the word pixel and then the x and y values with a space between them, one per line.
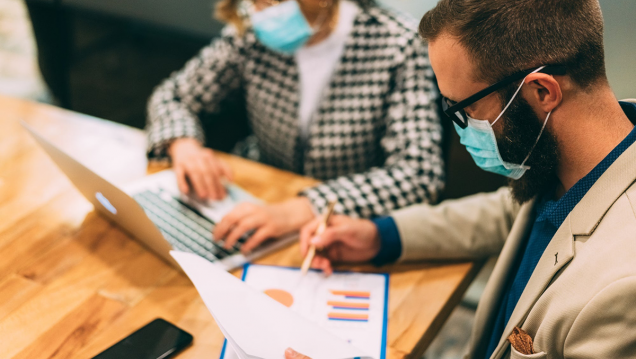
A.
pixel 158 339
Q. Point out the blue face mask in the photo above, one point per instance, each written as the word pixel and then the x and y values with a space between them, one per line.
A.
pixel 282 28
pixel 480 141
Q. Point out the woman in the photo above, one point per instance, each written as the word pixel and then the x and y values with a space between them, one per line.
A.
pixel 338 90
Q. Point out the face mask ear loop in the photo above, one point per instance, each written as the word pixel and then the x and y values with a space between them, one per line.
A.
pixel 537 140
pixel 515 95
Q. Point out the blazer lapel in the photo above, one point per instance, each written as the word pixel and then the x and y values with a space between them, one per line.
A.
pixel 583 220
pixel 492 293
pixel 558 254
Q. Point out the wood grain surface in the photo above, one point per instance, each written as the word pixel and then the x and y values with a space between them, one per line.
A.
pixel 72 283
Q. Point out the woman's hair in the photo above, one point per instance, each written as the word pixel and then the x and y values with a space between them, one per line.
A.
pixel 227 11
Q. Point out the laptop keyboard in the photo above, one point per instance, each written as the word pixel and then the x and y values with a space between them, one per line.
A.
pixel 183 226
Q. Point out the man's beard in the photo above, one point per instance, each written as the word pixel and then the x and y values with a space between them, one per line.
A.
pixel 521 127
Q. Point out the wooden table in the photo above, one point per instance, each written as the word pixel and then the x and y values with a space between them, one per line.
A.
pixel 72 283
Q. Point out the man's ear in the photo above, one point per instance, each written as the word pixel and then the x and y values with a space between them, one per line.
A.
pixel 542 91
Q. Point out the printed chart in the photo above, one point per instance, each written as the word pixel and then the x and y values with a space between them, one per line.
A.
pixel 281 296
pixel 349 305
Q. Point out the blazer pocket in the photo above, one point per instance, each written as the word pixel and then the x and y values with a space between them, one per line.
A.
pixel 514 354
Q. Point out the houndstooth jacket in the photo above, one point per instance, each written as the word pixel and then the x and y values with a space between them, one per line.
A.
pixel 374 140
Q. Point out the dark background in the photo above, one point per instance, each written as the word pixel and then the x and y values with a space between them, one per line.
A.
pixel 104 58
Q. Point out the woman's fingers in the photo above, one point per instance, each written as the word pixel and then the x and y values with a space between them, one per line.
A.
pixel 182 183
pixel 243 226
pixel 195 174
pixel 230 220
pixel 207 173
pixel 226 170
pixel 215 174
pixel 201 167
pixel 261 235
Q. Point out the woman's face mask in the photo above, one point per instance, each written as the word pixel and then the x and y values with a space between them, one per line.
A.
pixel 480 141
pixel 282 28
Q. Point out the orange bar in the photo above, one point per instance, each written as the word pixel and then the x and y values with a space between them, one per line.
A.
pixel 351 293
pixel 348 316
pixel 348 305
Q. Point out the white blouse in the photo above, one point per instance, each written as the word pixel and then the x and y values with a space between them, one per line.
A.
pixel 317 63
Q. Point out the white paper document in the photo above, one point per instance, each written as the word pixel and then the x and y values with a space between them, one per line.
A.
pixel 353 306
pixel 342 316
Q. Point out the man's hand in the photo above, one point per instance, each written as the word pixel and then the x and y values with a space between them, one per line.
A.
pixel 345 240
pixel 292 354
pixel 267 221
pixel 191 161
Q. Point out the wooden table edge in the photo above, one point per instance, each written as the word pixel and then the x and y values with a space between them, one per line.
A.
pixel 441 318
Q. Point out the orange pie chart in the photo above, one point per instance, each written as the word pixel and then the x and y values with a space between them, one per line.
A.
pixel 281 296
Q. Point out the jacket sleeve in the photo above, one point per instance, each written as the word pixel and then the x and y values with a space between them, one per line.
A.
pixel 413 169
pixel 606 327
pixel 175 105
pixel 472 227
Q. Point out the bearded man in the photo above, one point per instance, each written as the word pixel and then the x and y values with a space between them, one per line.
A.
pixel 524 83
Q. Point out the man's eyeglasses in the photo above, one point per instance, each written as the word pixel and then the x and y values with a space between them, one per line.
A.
pixel 455 110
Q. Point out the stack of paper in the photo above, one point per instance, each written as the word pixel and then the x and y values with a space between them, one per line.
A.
pixel 255 325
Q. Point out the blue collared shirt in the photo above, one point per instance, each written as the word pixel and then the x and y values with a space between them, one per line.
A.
pixel 549 215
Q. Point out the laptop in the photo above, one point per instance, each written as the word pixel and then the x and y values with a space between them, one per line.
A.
pixel 156 214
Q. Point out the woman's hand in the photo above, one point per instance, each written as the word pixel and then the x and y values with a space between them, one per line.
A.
pixel 346 239
pixel 199 166
pixel 267 221
pixel 292 354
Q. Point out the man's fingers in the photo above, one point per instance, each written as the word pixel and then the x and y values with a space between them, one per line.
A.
pixel 327 270
pixel 181 180
pixel 260 236
pixel 323 264
pixel 330 236
pixel 306 234
pixel 338 220
pixel 334 252
pixel 292 354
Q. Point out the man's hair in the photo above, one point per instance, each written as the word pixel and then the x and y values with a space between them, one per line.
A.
pixel 506 36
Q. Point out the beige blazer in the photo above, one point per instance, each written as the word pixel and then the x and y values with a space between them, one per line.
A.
pixel 581 299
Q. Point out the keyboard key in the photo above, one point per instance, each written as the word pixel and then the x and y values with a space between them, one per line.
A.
pixel 182 226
